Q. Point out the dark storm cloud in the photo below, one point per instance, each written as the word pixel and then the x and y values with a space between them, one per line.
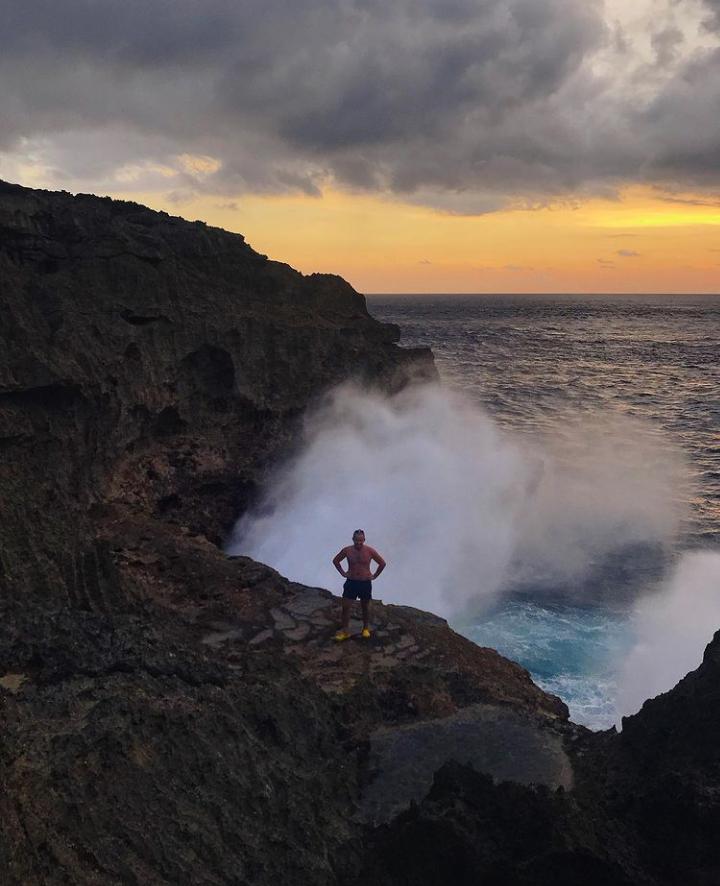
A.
pixel 713 20
pixel 458 103
pixel 132 32
pixel 681 126
pixel 666 43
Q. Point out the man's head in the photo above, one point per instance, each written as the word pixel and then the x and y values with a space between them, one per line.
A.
pixel 358 538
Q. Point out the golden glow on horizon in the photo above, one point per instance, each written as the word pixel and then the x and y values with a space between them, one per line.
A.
pixel 657 214
pixel 637 243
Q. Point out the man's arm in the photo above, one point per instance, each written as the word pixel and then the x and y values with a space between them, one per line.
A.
pixel 380 562
pixel 336 562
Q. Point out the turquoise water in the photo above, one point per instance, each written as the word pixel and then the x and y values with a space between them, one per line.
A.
pixel 570 651
pixel 530 362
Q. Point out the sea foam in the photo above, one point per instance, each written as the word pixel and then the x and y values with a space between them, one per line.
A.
pixel 457 506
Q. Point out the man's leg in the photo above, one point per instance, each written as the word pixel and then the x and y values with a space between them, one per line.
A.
pixel 346 607
pixel 365 612
pixel 344 631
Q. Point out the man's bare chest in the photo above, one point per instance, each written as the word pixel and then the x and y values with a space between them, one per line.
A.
pixel 358 558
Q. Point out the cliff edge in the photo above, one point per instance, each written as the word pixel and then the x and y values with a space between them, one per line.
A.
pixel 155 364
pixel 173 715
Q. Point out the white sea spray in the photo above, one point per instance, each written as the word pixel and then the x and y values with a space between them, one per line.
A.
pixel 672 629
pixel 455 504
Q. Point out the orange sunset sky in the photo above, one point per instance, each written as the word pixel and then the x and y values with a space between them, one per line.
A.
pixel 430 146
pixel 636 242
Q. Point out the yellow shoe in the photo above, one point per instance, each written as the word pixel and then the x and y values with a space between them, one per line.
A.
pixel 342 635
pixel 365 633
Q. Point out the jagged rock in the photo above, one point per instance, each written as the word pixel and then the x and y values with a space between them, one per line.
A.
pixel 173 715
pixel 469 830
pixel 155 365
pixel 502 742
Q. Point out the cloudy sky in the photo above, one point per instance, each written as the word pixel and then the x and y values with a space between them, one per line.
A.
pixel 412 145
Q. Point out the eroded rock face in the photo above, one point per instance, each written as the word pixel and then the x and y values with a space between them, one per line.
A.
pixel 155 364
pixel 170 771
pixel 663 776
pixel 136 745
pixel 470 830
pixel 173 715
pixel 644 808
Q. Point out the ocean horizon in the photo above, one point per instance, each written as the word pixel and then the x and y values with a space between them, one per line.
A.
pixel 617 393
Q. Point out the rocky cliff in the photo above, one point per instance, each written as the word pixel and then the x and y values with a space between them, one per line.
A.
pixel 172 715
pixel 154 363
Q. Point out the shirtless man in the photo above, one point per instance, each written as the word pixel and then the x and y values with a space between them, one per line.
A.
pixel 359 581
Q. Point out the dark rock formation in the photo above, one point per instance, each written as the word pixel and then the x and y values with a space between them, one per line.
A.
pixel 469 830
pixel 172 715
pixel 644 808
pixel 153 363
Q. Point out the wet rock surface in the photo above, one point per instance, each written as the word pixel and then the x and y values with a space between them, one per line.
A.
pixel 172 715
pixel 502 742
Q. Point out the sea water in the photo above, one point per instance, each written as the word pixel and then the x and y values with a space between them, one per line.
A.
pixel 535 363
